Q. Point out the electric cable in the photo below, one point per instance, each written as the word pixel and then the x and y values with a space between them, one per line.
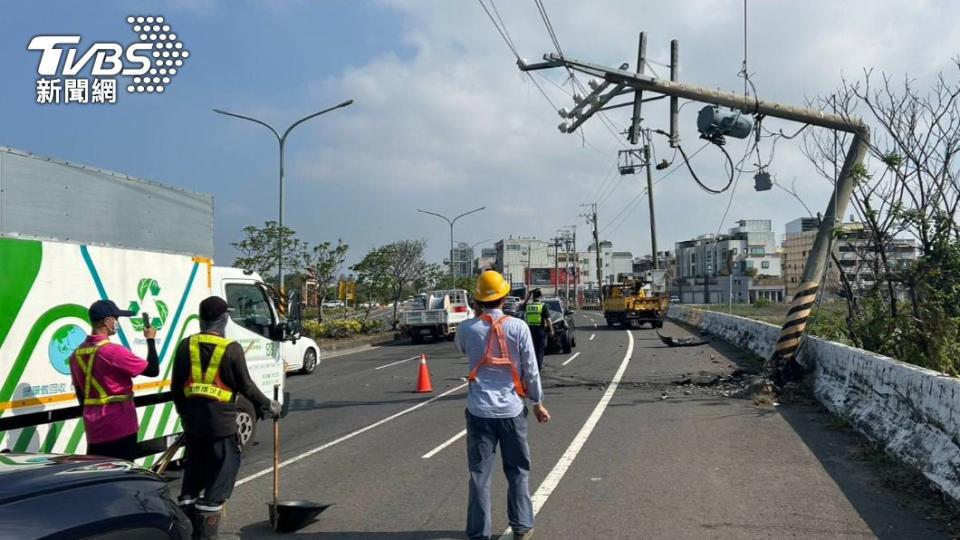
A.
pixel 697 178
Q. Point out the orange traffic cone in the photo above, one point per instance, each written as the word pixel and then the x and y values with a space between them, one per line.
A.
pixel 423 381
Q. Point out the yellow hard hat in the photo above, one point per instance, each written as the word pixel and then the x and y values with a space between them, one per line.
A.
pixel 491 286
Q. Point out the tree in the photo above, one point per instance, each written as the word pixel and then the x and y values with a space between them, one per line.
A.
pixel 258 250
pixel 322 265
pixel 908 186
pixel 393 268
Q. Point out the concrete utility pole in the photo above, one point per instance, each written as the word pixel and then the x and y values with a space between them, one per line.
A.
pixel 556 266
pixel 624 81
pixel 653 217
pixel 592 218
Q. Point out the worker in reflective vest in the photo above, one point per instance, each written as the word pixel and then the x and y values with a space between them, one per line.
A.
pixel 537 315
pixel 503 373
pixel 102 374
pixel 209 373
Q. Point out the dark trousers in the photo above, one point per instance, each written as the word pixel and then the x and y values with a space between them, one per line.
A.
pixel 539 336
pixel 122 448
pixel 483 435
pixel 211 469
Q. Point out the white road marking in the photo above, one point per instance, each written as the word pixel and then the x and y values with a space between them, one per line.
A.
pixel 570 359
pixel 592 336
pixel 450 441
pixel 351 351
pixel 348 436
pixel 594 325
pixel 397 362
pixel 552 480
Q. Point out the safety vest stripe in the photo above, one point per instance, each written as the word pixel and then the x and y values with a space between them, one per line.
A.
pixel 203 383
pixel 86 356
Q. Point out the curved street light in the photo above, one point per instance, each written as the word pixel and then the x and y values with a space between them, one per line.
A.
pixel 451 222
pixel 282 139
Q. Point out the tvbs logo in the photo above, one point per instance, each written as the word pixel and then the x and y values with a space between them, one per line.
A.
pixel 149 64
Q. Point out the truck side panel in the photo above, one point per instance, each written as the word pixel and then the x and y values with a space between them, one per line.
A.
pixel 44 293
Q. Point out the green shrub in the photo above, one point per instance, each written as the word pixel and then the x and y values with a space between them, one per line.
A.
pixel 313 329
pixel 369 326
pixel 341 328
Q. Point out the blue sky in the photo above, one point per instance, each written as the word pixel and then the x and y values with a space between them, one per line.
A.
pixel 253 58
pixel 443 120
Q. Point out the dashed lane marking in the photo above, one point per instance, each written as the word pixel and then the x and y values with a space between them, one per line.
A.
pixel 397 362
pixel 592 336
pixel 447 443
pixel 351 351
pixel 349 436
pixel 570 359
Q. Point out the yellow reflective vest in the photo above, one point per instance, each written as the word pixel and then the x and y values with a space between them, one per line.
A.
pixel 207 384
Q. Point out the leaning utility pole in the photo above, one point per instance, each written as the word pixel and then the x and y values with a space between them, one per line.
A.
pixel 623 81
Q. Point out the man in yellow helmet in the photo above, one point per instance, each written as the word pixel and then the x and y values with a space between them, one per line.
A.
pixel 209 372
pixel 503 372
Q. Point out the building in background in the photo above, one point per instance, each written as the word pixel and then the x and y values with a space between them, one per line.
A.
pixel 487 259
pixel 742 266
pixel 853 248
pixel 614 264
pixel 462 259
pixel 515 255
pixel 665 260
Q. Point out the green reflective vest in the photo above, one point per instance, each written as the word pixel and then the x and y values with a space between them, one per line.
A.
pixel 534 314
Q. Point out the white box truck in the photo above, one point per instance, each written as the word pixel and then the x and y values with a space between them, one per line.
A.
pixel 70 235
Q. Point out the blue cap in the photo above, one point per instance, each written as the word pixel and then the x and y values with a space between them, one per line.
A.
pixel 101 309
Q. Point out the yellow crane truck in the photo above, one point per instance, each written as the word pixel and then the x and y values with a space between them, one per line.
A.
pixel 632 302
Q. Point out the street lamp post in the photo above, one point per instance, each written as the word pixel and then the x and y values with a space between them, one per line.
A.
pixel 282 139
pixel 451 222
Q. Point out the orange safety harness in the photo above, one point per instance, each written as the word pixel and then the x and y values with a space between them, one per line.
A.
pixel 496 335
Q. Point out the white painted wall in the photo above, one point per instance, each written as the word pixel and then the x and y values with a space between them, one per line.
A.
pixel 913 413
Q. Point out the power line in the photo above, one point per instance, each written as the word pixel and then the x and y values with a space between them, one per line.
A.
pixel 608 124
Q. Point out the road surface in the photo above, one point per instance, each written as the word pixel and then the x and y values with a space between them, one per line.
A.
pixel 638 459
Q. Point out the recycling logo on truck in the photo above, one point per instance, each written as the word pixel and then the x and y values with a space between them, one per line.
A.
pixel 148 288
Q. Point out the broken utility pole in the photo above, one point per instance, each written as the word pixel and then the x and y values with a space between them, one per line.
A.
pixel 624 81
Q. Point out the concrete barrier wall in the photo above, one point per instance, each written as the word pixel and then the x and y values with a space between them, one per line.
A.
pixel 914 413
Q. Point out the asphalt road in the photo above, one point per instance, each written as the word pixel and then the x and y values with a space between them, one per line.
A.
pixel 638 459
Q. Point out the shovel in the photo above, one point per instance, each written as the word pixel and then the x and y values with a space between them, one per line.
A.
pixel 288 516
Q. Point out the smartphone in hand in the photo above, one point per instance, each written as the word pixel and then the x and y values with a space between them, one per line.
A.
pixel 149 331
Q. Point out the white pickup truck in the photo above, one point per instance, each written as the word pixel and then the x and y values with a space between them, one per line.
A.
pixel 436 313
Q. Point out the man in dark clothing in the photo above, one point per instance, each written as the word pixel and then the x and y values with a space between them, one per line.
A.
pixel 537 315
pixel 209 372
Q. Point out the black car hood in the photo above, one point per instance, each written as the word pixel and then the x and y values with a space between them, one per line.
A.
pixel 22 475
